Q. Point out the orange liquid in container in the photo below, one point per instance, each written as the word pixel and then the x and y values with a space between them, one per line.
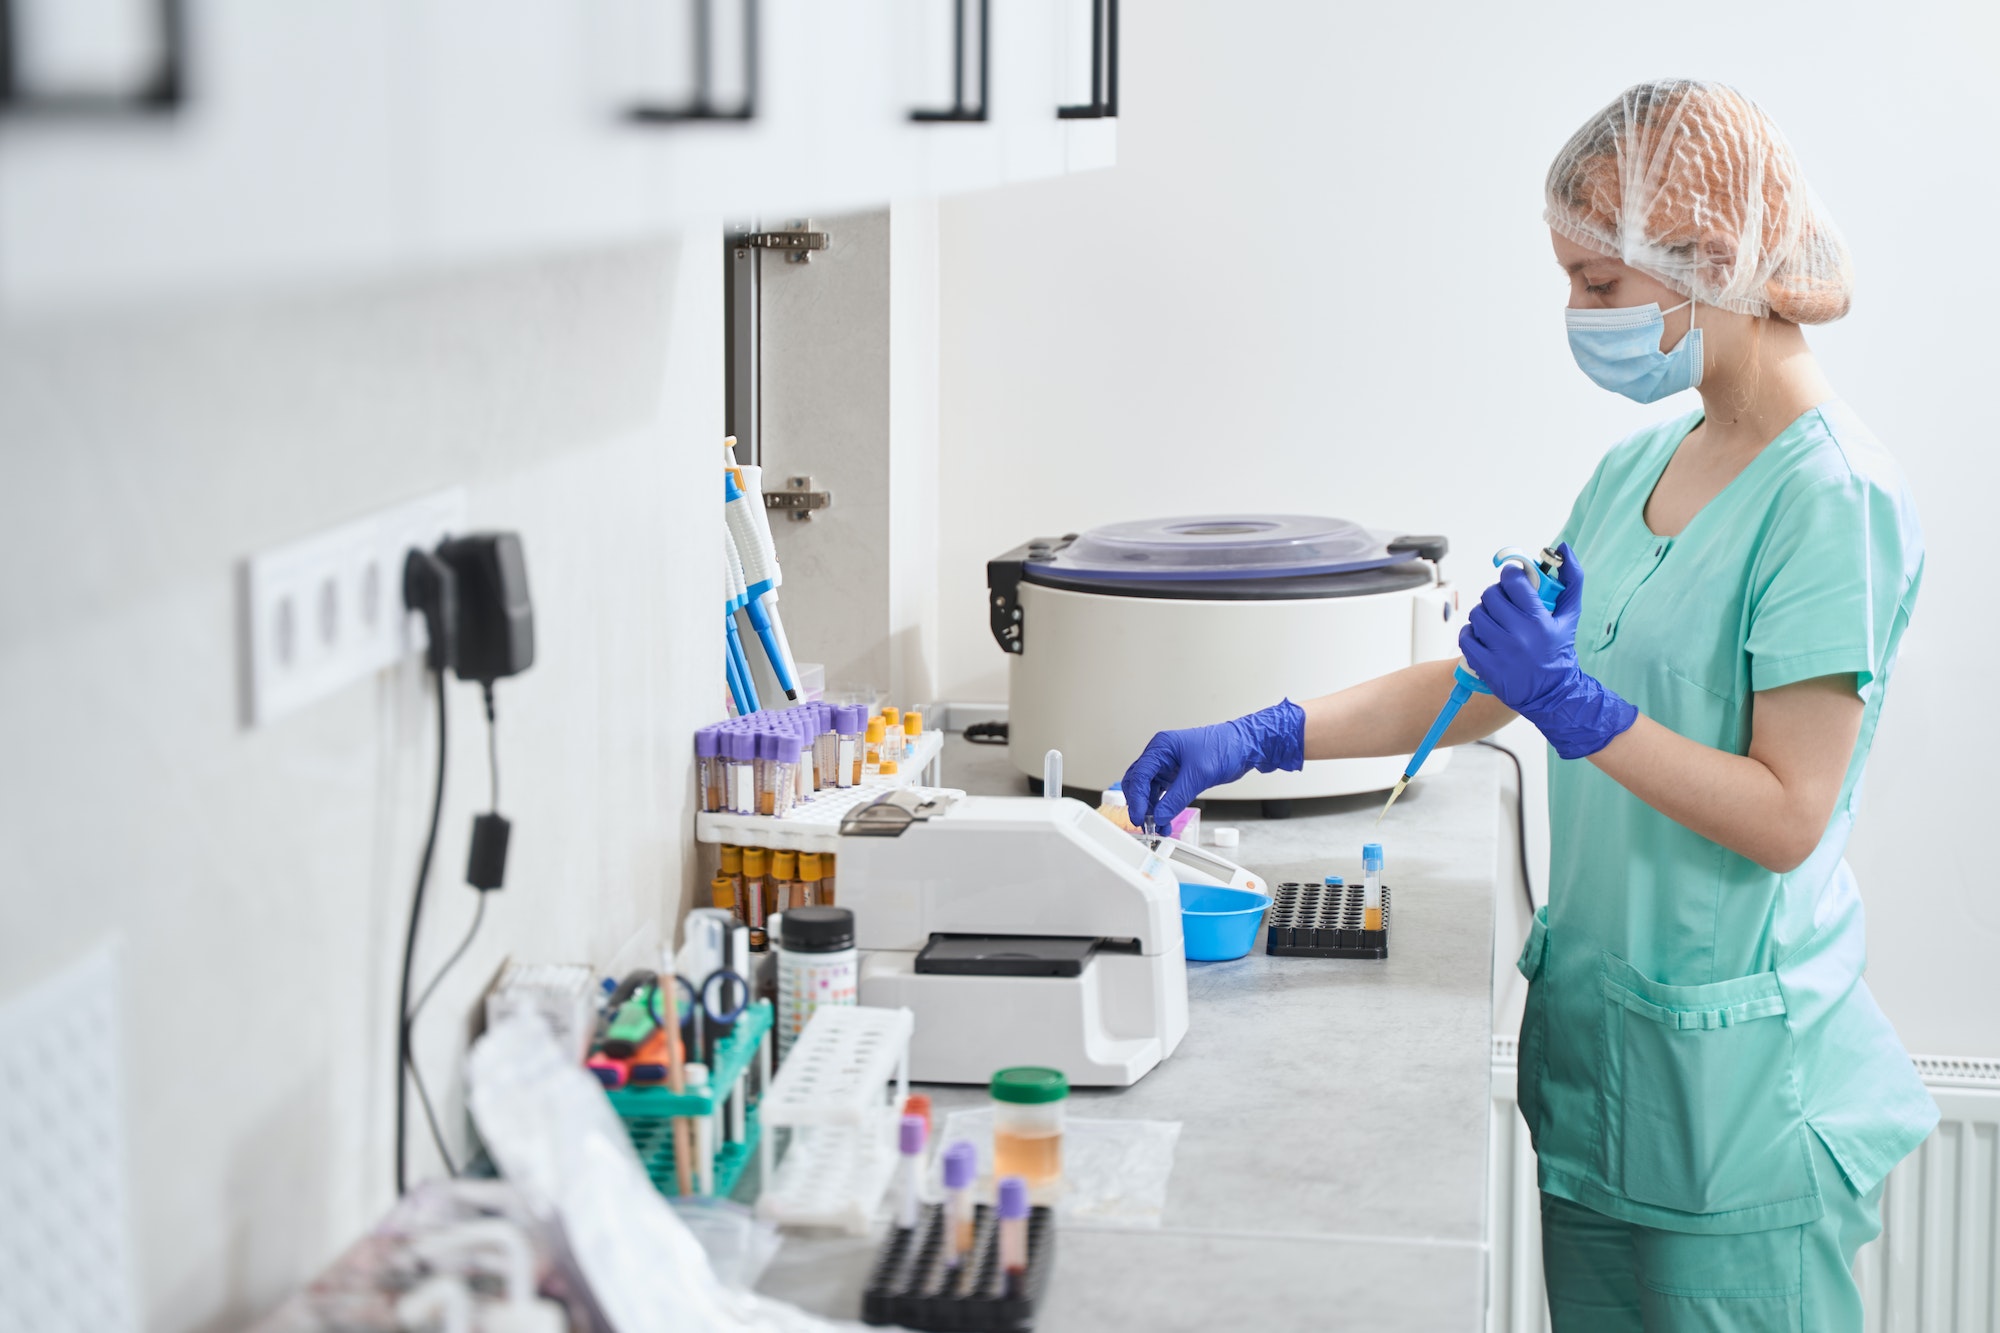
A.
pixel 1036 1159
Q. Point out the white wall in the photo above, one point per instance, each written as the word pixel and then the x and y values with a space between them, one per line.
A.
pixel 1318 279
pixel 259 879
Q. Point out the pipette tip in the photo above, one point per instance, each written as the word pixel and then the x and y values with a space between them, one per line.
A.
pixel 1394 792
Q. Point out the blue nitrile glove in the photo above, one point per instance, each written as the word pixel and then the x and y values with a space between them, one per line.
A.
pixel 1177 766
pixel 1527 656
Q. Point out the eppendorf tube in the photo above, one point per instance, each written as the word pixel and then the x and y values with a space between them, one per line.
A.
pixel 1371 886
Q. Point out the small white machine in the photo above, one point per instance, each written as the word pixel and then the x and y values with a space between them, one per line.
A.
pixel 1020 931
pixel 1147 626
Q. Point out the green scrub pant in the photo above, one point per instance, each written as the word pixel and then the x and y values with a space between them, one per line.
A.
pixel 1608 1276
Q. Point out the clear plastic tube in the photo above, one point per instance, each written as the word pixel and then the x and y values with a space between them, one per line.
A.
pixel 1371 887
pixel 782 775
pixel 892 733
pixel 1014 1235
pixel 708 768
pixel 871 763
pixel 852 724
pixel 739 750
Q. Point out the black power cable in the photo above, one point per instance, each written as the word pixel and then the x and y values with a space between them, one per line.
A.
pixel 410 945
pixel 409 1060
pixel 1520 820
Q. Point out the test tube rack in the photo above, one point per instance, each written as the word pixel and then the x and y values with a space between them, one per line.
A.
pixel 814 826
pixel 912 1287
pixel 1323 921
pixel 648 1112
pixel 830 1095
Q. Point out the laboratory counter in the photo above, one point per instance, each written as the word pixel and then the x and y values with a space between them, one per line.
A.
pixel 1331 1167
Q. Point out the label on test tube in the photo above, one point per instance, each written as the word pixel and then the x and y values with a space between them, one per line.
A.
pixel 849 770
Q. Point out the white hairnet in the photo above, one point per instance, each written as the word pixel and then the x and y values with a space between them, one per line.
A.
pixel 1692 183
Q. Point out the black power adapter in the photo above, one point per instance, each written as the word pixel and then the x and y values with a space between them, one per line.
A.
pixel 473 595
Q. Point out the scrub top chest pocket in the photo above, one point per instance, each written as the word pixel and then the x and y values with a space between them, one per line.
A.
pixel 1701 1106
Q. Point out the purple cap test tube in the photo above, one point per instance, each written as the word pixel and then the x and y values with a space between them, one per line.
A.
pixel 1014 1235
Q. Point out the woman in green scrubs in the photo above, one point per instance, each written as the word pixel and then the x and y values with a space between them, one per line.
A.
pixel 1714 1096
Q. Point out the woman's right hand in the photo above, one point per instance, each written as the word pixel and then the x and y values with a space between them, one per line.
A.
pixel 1178 766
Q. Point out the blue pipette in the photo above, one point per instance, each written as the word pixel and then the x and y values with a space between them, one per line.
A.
pixel 1464 684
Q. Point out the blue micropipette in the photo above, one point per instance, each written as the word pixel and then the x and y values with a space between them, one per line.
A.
pixel 1464 683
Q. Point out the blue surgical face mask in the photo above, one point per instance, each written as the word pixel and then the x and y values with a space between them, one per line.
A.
pixel 1620 350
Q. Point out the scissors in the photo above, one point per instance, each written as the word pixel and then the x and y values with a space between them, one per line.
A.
pixel 710 1015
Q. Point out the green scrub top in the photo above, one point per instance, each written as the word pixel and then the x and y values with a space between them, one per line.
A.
pixel 1692 1016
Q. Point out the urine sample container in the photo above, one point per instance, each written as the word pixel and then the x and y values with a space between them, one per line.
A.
pixel 1028 1125
pixel 817 965
pixel 708 768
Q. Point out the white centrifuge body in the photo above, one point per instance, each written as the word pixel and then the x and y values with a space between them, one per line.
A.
pixel 1095 672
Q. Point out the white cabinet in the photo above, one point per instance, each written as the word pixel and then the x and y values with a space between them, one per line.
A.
pixel 323 139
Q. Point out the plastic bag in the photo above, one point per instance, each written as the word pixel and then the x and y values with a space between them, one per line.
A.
pixel 553 1134
pixel 1114 1172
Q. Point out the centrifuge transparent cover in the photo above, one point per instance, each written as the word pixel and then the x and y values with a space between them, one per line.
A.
pixel 1223 546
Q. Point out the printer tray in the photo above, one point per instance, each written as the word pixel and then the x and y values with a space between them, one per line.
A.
pixel 1007 955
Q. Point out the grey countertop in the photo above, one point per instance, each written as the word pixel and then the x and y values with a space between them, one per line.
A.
pixel 1331 1169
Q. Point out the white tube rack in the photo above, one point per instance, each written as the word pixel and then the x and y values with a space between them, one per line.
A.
pixel 829 1094
pixel 815 825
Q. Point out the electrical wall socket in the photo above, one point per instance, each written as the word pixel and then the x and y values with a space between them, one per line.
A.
pixel 328 609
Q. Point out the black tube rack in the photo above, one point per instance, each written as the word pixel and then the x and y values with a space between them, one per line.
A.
pixel 1323 921
pixel 912 1287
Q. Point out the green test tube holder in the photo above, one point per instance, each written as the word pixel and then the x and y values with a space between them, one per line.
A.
pixel 648 1112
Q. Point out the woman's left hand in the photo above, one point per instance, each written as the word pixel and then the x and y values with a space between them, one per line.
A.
pixel 1526 655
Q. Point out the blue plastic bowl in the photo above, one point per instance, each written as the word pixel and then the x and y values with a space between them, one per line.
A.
pixel 1219 923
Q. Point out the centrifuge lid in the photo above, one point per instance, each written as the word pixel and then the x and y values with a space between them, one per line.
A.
pixel 1219 547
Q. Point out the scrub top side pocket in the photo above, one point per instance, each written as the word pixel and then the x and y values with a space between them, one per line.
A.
pixel 1534 1023
pixel 1701 1105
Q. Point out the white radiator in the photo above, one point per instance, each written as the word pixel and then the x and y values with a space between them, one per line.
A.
pixel 1935 1269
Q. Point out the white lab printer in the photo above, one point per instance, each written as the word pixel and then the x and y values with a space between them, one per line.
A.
pixel 1020 931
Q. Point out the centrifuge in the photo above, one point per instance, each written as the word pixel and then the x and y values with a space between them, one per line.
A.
pixel 1146 626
